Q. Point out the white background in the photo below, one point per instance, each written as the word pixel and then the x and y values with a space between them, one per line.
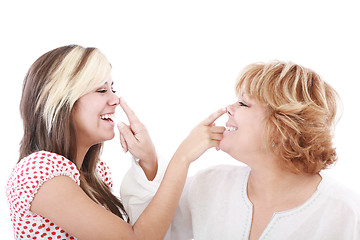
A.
pixel 175 62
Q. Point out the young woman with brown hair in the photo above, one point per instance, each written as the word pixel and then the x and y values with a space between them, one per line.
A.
pixel 60 189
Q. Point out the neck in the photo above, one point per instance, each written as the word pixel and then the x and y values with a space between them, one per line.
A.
pixel 80 155
pixel 274 185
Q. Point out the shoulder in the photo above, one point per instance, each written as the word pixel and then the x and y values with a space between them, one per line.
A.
pixel 339 195
pixel 41 166
pixel 45 163
pixel 104 172
pixel 30 174
pixel 48 164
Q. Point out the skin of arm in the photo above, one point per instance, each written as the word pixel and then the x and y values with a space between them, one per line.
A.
pixel 63 202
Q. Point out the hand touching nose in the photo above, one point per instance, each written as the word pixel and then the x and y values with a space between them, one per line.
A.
pixel 136 139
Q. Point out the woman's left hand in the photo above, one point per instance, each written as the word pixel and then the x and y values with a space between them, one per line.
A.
pixel 136 139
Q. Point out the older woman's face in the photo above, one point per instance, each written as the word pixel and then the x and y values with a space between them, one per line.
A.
pixel 244 135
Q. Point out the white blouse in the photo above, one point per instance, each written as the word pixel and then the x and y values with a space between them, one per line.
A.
pixel 215 205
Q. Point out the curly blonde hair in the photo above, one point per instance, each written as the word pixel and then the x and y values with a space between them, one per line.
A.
pixel 301 113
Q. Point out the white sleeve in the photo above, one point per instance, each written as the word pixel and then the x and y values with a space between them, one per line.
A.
pixel 136 190
pixel 181 226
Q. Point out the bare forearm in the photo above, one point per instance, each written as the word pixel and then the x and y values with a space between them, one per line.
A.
pixel 150 167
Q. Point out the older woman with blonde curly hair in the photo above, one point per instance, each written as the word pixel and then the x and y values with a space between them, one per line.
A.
pixel 281 127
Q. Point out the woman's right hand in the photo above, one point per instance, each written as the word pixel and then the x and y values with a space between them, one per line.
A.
pixel 162 207
pixel 204 136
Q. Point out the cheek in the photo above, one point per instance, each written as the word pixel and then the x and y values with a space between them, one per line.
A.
pixel 89 111
pixel 245 139
pixel 84 119
pixel 231 141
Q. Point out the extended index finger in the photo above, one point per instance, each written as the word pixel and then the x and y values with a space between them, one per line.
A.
pixel 128 111
pixel 211 119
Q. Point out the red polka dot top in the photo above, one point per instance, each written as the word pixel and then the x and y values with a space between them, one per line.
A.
pixel 25 180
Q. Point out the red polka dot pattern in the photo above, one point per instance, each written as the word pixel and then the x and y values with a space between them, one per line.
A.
pixel 25 180
pixel 104 172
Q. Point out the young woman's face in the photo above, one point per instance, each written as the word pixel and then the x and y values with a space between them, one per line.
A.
pixel 93 115
pixel 244 135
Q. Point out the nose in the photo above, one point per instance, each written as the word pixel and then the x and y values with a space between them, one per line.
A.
pixel 230 109
pixel 114 99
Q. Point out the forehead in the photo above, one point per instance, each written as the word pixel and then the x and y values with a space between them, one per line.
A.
pixel 107 81
pixel 245 97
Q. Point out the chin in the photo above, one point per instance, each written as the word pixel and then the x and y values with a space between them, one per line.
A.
pixel 107 137
pixel 228 148
pixel 110 137
pixel 223 146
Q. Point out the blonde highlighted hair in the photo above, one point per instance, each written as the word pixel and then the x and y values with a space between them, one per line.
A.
pixel 301 112
pixel 79 72
pixel 53 84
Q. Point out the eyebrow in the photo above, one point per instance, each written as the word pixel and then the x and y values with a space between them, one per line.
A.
pixel 105 83
pixel 244 98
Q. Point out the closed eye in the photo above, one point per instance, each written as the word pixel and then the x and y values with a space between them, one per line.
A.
pixel 106 87
pixel 243 104
pixel 104 91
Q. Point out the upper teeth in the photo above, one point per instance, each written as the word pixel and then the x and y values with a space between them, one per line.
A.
pixel 229 128
pixel 107 116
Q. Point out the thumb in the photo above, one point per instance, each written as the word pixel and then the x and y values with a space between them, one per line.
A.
pixel 123 143
pixel 126 132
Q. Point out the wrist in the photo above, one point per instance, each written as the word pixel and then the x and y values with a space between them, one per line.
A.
pixel 149 161
pixel 181 158
pixel 149 166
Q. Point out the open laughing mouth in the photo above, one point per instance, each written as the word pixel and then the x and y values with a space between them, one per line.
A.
pixel 230 128
pixel 108 117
